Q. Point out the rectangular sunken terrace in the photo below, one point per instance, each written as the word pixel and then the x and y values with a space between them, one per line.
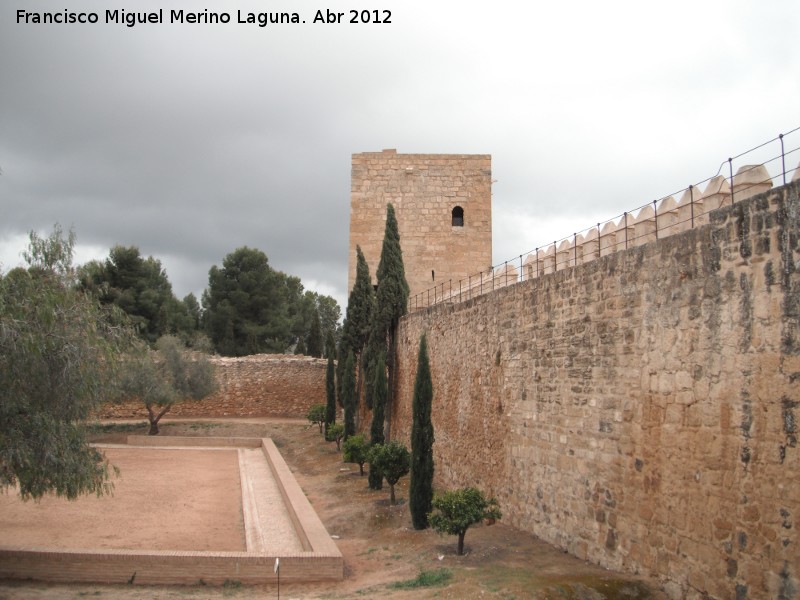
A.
pixel 247 510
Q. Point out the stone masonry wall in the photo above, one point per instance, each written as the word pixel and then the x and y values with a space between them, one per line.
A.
pixel 263 385
pixel 424 189
pixel 640 411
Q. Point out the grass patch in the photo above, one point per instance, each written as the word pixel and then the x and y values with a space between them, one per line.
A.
pixel 116 427
pixel 437 577
pixel 197 426
pixel 231 587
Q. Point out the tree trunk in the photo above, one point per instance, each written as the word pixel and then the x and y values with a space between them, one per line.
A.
pixel 461 543
pixel 360 375
pixel 361 467
pixel 155 418
pixel 392 500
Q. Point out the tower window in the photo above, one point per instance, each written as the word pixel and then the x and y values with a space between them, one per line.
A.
pixel 458 217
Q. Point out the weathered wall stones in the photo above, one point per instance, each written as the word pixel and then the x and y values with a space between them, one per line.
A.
pixel 263 385
pixel 639 410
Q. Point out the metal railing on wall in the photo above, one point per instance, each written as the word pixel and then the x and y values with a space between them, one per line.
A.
pixel 649 222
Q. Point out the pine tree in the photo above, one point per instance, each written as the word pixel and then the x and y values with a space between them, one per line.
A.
pixel 421 486
pixel 314 340
pixel 378 402
pixel 391 304
pixel 349 396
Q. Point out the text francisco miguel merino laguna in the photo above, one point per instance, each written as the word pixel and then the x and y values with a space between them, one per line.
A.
pixel 130 19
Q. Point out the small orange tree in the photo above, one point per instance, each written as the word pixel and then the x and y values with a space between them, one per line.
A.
pixel 356 450
pixel 454 512
pixel 316 414
pixel 392 460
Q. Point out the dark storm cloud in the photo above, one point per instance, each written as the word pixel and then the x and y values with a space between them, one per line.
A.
pixel 191 141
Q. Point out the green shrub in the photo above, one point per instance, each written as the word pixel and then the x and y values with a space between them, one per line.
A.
pixel 316 414
pixel 433 578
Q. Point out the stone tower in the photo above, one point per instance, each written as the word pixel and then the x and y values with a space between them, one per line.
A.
pixel 443 204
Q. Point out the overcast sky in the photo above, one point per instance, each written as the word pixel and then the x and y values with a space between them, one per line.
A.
pixel 190 141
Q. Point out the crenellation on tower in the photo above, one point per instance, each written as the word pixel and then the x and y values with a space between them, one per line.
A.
pixel 443 204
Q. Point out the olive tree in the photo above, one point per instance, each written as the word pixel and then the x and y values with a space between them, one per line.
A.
pixel 60 351
pixel 169 375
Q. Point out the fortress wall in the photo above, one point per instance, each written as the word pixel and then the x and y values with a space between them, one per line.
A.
pixel 641 410
pixel 262 385
pixel 424 189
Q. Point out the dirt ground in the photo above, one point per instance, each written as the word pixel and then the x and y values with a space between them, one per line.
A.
pixel 194 503
pixel 384 556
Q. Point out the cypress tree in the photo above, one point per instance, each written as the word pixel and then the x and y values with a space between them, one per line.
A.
pixel 360 305
pixel 330 345
pixel 421 485
pixel 330 391
pixel 391 303
pixel 358 316
pixel 349 396
pixel 378 401
pixel 344 349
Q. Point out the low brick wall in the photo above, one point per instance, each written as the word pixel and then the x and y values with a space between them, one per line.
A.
pixel 321 560
pixel 163 568
pixel 262 385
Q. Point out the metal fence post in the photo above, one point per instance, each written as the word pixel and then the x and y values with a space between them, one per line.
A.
pixel 574 249
pixel 655 216
pixel 783 159
pixel 730 168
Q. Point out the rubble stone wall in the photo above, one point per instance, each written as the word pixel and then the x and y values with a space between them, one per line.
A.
pixel 640 411
pixel 262 385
